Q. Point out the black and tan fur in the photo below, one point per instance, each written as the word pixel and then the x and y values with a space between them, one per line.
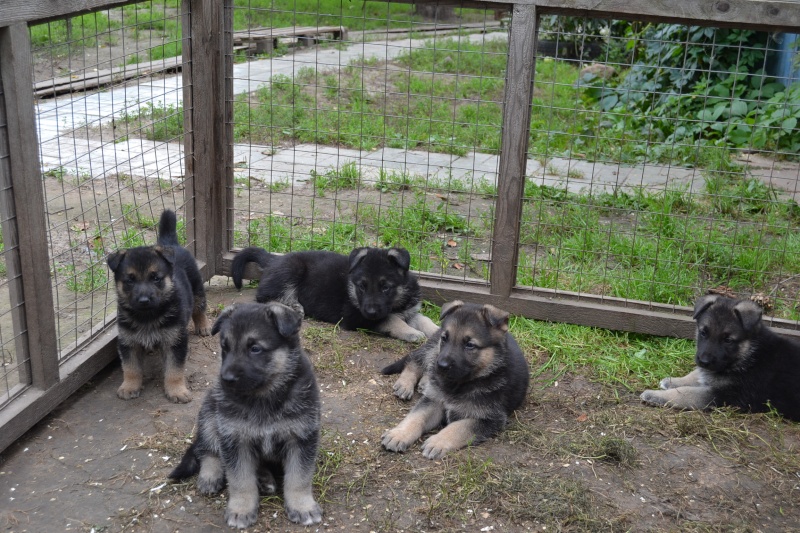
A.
pixel 372 288
pixel 159 288
pixel 262 417
pixel 740 363
pixel 472 376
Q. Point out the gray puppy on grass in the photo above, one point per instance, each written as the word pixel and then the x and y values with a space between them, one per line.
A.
pixel 261 418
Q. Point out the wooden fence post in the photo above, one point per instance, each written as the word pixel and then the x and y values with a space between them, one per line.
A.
pixel 513 147
pixel 31 287
pixel 207 91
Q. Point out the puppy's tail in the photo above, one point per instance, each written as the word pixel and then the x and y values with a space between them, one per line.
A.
pixel 189 466
pixel 396 367
pixel 251 254
pixel 168 229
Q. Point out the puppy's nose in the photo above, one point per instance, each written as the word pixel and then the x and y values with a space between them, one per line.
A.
pixel 443 363
pixel 229 377
pixel 144 300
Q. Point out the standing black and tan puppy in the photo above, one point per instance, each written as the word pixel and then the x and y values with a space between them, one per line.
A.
pixel 158 289
pixel 740 363
pixel 474 376
pixel 371 289
pixel 263 412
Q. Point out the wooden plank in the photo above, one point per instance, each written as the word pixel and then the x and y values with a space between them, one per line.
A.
pixel 15 72
pixel 37 11
pixel 208 74
pixel 26 410
pixel 292 31
pixel 765 15
pixel 11 240
pixel 513 148
pixel 93 80
pixel 756 14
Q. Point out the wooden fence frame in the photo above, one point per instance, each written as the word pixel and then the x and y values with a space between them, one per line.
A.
pixel 207 73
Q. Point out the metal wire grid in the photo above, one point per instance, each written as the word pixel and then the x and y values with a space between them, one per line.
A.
pixel 350 143
pixel 15 372
pixel 112 156
pixel 626 204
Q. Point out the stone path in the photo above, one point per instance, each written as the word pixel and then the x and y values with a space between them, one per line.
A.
pixel 140 157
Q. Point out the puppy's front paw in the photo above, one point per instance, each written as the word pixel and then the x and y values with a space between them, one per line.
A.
pixel 654 397
pixel 241 520
pixel 665 384
pixel 209 485
pixel 412 335
pixel 128 391
pixel 179 394
pixel 402 390
pixel 306 515
pixel 436 447
pixel 395 440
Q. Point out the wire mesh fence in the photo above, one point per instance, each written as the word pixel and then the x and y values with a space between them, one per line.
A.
pixel 110 127
pixel 663 165
pixel 375 136
pixel 661 161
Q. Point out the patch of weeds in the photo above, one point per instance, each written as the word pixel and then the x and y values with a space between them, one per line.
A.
pixel 396 180
pixel 465 483
pixel 58 173
pixel 325 339
pixel 619 359
pixel 133 214
pixel 156 122
pixel 330 460
pixel 84 281
pixel 131 238
pixel 346 177
pixel 272 232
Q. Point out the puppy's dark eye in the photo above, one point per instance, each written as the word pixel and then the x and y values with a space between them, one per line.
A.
pixel 445 336
pixel 255 349
pixel 729 340
pixel 224 346
pixel 703 332
pixel 470 345
pixel 130 279
pixel 155 278
pixel 386 289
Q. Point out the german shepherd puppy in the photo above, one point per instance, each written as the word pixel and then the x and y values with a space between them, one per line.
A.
pixel 264 412
pixel 158 288
pixel 740 363
pixel 474 376
pixel 371 289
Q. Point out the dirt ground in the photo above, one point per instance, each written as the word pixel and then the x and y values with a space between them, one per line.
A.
pixel 578 457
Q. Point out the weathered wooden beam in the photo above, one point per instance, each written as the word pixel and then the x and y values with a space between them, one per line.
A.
pixel 207 91
pixel 37 11
pixel 513 148
pixel 31 220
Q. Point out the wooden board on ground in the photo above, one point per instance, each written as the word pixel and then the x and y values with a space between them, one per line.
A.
pixel 92 80
pixel 265 40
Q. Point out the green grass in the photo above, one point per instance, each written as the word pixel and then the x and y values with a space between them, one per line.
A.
pixel 94 277
pixel 83 31
pixel 348 176
pixel 156 122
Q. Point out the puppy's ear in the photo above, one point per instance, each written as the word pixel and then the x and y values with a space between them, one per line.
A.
pixel 285 319
pixel 748 313
pixel 222 318
pixel 115 259
pixel 167 252
pixel 356 256
pixel 401 257
pixel 449 307
pixel 497 318
pixel 703 303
